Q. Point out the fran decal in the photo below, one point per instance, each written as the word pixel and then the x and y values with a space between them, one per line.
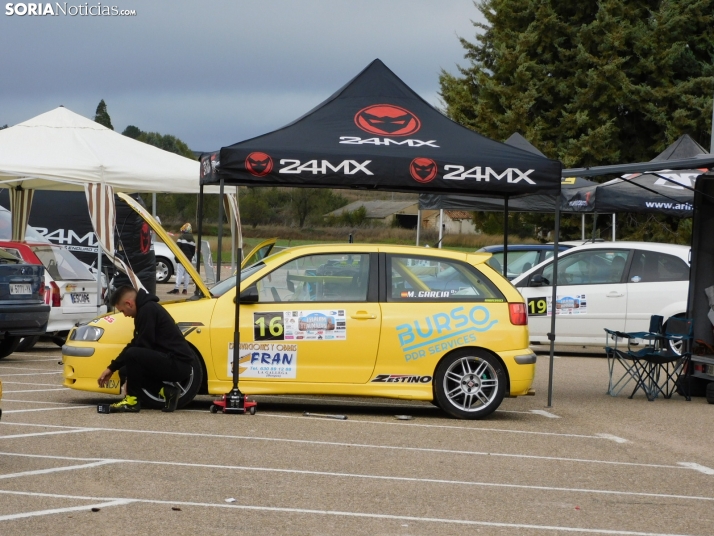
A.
pixel 264 360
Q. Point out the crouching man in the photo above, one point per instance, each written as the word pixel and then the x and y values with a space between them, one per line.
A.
pixel 158 352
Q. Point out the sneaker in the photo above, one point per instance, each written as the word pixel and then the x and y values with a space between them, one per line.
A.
pixel 185 291
pixel 174 291
pixel 170 394
pixel 130 404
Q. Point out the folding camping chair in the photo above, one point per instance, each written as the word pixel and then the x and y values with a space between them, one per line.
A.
pixel 629 359
pixel 663 366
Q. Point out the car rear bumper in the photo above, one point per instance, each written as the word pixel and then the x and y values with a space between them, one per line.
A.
pixel 24 320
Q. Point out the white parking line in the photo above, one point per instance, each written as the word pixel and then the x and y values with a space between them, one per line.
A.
pixel 40 402
pixel 56 432
pixel 31 374
pixel 44 409
pixel 33 360
pixel 613 438
pixel 2 367
pixel 57 469
pixel 26 383
pixel 339 513
pixel 701 468
pixel 545 413
pixel 117 502
pixel 36 390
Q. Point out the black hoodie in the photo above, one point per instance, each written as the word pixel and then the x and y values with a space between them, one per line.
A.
pixel 155 329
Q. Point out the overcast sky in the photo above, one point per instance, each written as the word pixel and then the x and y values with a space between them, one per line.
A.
pixel 220 71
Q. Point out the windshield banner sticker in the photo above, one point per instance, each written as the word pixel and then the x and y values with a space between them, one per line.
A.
pixel 440 332
pixel 265 360
pixel 564 305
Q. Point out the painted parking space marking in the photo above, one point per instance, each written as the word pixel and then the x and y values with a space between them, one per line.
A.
pixel 57 469
pixel 45 409
pixel 31 374
pixel 701 468
pixel 614 438
pixel 3 367
pixel 116 502
pixel 342 513
pixel 28 383
pixel 545 413
pixel 59 356
pixel 39 402
pixel 35 390
pixel 55 432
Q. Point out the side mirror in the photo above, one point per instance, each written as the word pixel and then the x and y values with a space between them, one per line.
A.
pixel 538 281
pixel 249 295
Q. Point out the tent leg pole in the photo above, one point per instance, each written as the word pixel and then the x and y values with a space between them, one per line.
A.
pixel 582 227
pixel 505 237
pixel 220 232
pixel 441 226
pixel 99 277
pixel 594 227
pixel 153 205
pixel 614 223
pixel 418 225
pixel 554 298
pixel 233 243
pixel 199 217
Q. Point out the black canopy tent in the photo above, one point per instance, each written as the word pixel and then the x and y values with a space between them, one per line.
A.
pixel 376 133
pixel 662 190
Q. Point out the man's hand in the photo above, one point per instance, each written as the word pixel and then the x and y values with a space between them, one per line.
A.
pixel 104 377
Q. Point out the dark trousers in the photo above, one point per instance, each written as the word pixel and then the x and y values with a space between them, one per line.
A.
pixel 148 369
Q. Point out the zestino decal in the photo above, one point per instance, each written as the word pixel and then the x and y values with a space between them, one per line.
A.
pixel 387 119
pixel 400 378
pixel 440 332
pixel 265 360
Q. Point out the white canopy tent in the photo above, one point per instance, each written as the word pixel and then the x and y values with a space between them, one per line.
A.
pixel 62 150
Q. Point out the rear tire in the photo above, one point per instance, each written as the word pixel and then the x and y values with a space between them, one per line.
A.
pixel 27 343
pixel 8 345
pixel 469 384
pixel 710 393
pixel 189 389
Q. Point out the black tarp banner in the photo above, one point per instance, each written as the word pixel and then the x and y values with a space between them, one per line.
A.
pixel 376 133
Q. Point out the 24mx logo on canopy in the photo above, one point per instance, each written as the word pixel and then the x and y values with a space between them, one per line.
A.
pixel 387 119
pixel 259 164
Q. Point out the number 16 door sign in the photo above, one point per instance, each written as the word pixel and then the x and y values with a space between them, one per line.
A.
pixel 300 325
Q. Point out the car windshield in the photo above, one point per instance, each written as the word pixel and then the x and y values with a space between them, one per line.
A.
pixel 219 289
pixel 61 265
pixel 8 258
pixel 31 234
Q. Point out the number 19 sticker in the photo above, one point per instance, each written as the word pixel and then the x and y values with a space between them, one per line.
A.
pixel 537 306
pixel 268 327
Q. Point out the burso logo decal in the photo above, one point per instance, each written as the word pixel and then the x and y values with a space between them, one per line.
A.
pixel 387 119
pixel 259 164
pixel 423 169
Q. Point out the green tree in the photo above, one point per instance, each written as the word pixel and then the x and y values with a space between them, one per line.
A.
pixel 313 202
pixel 3 126
pixel 589 82
pixel 166 142
pixel 132 132
pixel 101 116
pixel 254 207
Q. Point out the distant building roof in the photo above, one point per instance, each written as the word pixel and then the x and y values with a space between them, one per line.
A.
pixel 458 214
pixel 376 209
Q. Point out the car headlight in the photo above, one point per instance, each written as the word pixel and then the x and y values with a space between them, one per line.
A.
pixel 86 333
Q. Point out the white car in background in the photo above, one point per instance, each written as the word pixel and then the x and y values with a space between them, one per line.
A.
pixel 165 262
pixel 614 285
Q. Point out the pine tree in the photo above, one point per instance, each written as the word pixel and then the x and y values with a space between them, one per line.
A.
pixel 588 82
pixel 132 132
pixel 101 116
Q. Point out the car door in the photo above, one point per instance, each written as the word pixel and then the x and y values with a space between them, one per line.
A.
pixel 317 320
pixel 591 296
pixel 656 283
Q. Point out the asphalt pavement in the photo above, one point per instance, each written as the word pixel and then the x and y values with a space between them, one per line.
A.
pixel 590 464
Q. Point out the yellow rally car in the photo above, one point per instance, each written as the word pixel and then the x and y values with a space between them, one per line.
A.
pixel 342 319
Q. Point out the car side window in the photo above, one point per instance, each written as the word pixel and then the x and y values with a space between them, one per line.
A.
pixel 335 277
pixel 413 279
pixel 654 267
pixel 518 262
pixel 590 267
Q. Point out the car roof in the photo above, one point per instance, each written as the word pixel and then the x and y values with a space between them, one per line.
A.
pixel 522 247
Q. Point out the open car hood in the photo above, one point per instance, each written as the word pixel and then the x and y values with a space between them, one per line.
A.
pixel 258 253
pixel 166 239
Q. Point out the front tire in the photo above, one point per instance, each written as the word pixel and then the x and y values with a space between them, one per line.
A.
pixel 469 384
pixel 8 345
pixel 189 389
pixel 164 270
pixel 27 343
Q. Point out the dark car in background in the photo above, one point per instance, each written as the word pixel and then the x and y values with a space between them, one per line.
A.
pixel 23 312
pixel 521 257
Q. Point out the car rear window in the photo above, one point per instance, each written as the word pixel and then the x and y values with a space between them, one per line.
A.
pixel 412 279
pixel 61 265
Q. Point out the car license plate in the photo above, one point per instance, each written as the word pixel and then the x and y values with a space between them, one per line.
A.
pixel 20 288
pixel 81 297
